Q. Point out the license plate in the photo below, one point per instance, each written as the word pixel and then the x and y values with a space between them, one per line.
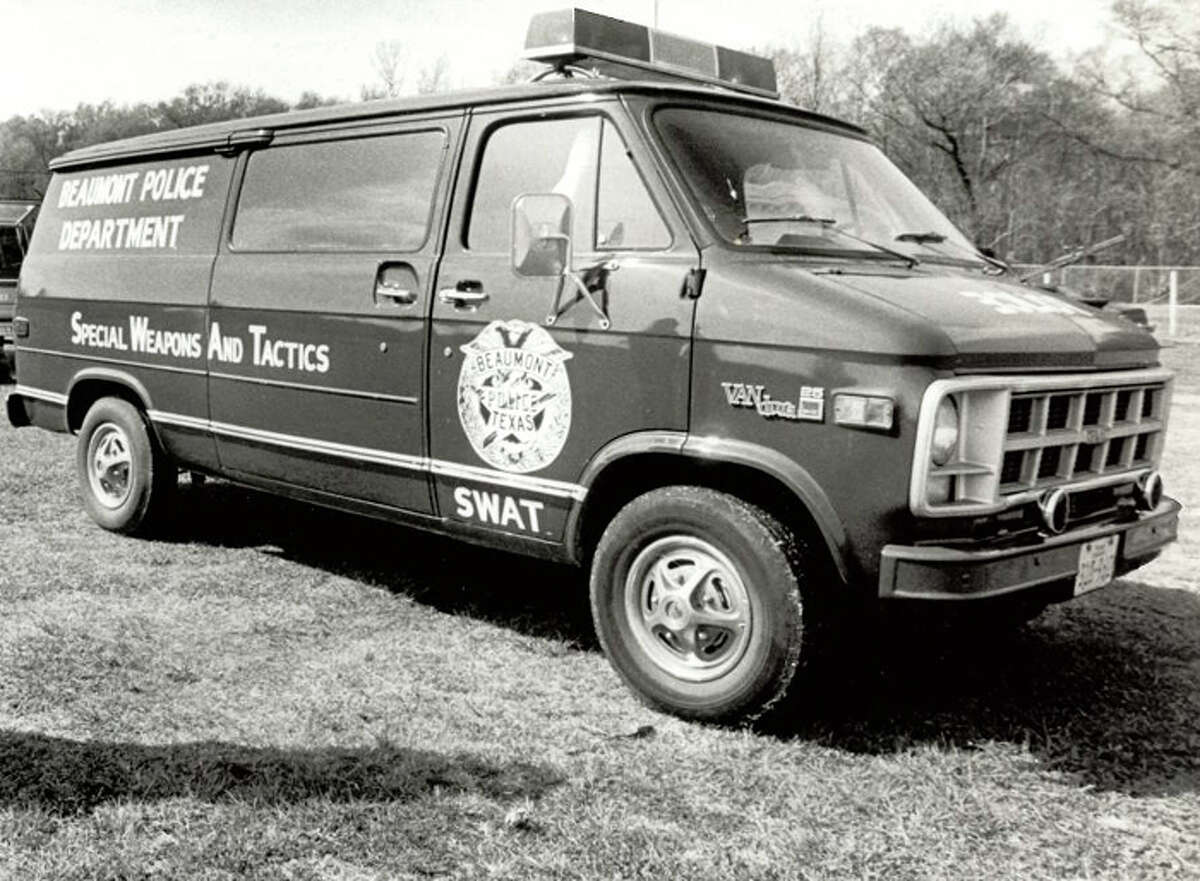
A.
pixel 1097 561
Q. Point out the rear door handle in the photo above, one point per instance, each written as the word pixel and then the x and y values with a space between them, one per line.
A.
pixel 395 293
pixel 396 284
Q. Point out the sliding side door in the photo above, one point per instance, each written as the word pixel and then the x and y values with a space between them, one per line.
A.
pixel 316 347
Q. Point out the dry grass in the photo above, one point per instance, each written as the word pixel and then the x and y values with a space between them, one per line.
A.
pixel 279 692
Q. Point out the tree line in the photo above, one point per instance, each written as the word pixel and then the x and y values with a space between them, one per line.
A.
pixel 1029 159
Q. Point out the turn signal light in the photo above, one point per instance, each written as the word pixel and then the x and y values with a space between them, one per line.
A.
pixel 864 411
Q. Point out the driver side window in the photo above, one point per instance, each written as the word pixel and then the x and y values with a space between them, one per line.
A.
pixel 582 158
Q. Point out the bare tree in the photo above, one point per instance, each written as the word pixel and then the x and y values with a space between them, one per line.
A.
pixel 389 61
pixel 435 78
pixel 809 75
pixel 1168 35
pixel 956 110
pixel 521 71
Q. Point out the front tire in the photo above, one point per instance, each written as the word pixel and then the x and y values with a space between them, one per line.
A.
pixel 697 600
pixel 125 479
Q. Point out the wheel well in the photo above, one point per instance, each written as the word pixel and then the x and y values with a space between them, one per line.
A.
pixel 632 476
pixel 88 391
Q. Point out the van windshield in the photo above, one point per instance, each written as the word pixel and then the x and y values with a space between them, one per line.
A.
pixel 768 183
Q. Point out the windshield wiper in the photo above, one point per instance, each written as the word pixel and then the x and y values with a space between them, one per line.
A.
pixel 831 223
pixel 936 238
pixel 790 218
pixel 921 238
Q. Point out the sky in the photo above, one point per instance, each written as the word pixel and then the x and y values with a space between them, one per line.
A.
pixel 57 54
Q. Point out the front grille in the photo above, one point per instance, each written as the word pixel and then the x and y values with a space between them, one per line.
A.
pixel 1020 416
pixel 1059 436
pixel 1048 466
pixel 1084 457
pixel 1021 435
pixel 1013 461
pixel 1058 413
pixel 1140 448
pixel 1121 412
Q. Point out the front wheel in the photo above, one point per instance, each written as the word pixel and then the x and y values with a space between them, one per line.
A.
pixel 124 477
pixel 697 601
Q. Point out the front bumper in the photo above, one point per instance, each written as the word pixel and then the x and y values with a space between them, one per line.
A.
pixel 935 573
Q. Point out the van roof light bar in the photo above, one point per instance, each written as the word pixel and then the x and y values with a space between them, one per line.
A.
pixel 577 38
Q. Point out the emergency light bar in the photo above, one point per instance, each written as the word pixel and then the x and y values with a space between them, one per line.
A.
pixel 624 50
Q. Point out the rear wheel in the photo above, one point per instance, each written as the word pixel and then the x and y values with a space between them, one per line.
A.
pixel 697 600
pixel 125 478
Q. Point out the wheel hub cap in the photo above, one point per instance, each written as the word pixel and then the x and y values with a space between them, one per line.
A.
pixel 110 463
pixel 688 608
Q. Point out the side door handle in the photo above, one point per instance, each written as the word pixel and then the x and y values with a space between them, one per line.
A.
pixel 464 295
pixel 395 293
pixel 396 284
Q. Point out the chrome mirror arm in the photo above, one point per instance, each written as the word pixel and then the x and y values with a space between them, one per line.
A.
pixel 582 292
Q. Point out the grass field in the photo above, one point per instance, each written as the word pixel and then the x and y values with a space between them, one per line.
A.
pixel 279 692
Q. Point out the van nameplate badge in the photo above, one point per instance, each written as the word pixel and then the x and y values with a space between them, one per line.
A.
pixel 514 396
pixel 810 406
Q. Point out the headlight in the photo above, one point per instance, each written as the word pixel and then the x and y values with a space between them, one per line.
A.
pixel 945 432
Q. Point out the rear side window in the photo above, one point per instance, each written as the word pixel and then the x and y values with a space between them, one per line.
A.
pixel 140 209
pixel 583 158
pixel 366 194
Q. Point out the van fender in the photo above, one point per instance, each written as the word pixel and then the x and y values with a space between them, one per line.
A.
pixel 108 375
pixel 792 475
pixel 716 450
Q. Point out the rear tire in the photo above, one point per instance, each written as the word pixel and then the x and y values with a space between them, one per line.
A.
pixel 697 598
pixel 125 479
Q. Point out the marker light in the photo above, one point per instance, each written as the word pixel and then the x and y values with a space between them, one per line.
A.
pixel 864 411
pixel 945 432
pixel 624 50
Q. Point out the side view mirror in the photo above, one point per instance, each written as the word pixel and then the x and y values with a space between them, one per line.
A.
pixel 541 235
pixel 541 248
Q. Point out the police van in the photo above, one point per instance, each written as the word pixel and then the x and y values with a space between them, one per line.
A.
pixel 639 315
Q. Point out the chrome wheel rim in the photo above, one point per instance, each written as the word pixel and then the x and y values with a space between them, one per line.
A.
pixel 109 465
pixel 688 608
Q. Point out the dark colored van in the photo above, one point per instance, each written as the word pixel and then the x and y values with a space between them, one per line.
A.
pixel 715 348
pixel 17 219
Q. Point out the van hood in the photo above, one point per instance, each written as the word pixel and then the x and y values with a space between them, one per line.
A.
pixel 997 324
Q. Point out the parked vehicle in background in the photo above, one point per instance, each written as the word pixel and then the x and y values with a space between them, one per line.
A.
pixel 712 347
pixel 17 218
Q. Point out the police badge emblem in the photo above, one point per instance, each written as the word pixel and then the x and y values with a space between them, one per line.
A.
pixel 514 396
